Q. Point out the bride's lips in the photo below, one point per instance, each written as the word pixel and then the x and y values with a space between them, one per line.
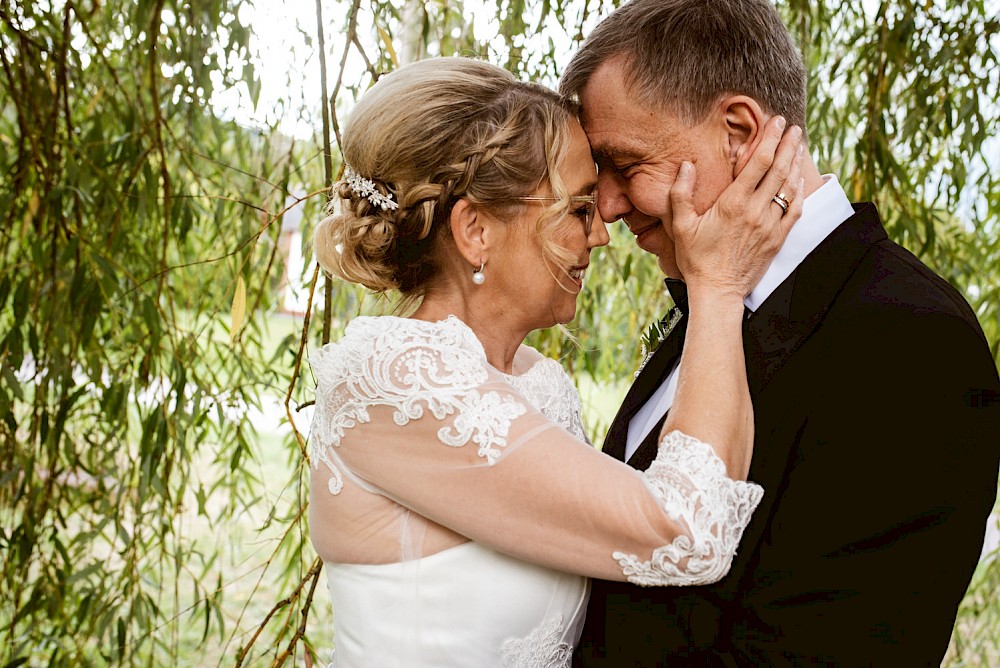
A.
pixel 576 274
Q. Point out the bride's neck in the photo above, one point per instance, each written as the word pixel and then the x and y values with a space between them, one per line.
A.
pixel 500 340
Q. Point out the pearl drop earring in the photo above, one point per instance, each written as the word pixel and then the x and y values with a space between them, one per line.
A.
pixel 478 277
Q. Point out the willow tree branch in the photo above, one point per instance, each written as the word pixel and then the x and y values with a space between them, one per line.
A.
pixel 297 370
pixel 327 156
pixel 154 89
pixel 27 147
pixel 352 31
pixel 313 576
pixel 364 56
pixel 249 240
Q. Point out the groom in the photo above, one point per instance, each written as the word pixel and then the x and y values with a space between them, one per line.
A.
pixel 876 397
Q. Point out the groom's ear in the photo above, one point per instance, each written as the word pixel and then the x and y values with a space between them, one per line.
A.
pixel 744 122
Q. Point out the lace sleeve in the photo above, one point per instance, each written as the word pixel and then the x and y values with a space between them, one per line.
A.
pixel 409 372
pixel 692 485
pixel 424 424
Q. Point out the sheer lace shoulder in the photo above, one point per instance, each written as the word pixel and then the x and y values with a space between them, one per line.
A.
pixel 691 482
pixel 410 366
pixel 414 367
pixel 548 388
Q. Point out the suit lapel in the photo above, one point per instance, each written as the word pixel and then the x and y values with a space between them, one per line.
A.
pixel 773 335
pixel 644 455
pixel 650 378
pixel 653 371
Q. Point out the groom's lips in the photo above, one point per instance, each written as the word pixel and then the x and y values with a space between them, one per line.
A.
pixel 640 230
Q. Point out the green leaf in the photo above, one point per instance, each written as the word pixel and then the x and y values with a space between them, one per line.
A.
pixel 11 380
pixel 85 573
pixel 4 290
pixel 21 300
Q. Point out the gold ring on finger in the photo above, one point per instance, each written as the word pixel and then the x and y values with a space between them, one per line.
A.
pixel 781 201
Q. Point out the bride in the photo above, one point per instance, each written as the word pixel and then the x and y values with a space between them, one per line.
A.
pixel 455 501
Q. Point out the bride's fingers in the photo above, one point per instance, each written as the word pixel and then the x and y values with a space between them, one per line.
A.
pixel 783 209
pixel 778 175
pixel 793 192
pixel 757 167
pixel 794 211
pixel 682 201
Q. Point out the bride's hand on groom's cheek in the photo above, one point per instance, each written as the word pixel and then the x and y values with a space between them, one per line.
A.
pixel 729 247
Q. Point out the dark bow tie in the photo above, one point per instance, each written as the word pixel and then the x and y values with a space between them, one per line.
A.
pixel 678 290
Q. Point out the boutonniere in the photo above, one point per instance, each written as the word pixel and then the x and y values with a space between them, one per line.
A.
pixel 655 335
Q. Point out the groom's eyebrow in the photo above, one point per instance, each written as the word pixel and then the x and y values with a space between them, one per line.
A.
pixel 608 152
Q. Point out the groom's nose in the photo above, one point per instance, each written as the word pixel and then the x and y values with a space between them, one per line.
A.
pixel 612 199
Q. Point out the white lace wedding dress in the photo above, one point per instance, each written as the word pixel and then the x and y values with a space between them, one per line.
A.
pixel 458 509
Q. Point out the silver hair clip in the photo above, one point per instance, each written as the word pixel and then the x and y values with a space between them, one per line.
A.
pixel 363 187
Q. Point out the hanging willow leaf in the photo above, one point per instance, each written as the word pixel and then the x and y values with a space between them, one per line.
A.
pixel 238 309
pixel 387 42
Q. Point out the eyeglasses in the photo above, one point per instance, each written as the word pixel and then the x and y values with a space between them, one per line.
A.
pixel 586 213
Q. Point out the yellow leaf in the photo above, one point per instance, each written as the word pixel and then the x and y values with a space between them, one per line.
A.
pixel 239 310
pixel 29 215
pixel 388 45
pixel 93 102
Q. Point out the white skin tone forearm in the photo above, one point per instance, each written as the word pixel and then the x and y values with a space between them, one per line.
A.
pixel 713 401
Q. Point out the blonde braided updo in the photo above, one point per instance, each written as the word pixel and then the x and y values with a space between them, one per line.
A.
pixel 426 135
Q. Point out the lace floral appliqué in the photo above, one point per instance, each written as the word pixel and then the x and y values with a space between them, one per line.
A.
pixel 483 419
pixel 412 367
pixel 547 387
pixel 543 648
pixel 691 482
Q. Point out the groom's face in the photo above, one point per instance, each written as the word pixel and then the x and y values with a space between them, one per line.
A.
pixel 639 152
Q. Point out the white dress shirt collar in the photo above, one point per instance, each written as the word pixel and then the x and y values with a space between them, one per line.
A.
pixel 822 212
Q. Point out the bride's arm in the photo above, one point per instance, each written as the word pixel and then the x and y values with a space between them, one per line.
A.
pixel 499 472
pixel 712 400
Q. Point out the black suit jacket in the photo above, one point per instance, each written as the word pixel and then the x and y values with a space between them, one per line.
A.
pixel 877 443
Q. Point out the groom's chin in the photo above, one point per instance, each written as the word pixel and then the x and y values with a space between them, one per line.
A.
pixel 668 265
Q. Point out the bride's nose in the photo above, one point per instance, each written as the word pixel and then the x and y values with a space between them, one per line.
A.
pixel 598 232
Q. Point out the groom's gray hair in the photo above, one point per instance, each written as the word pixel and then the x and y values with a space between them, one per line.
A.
pixel 683 55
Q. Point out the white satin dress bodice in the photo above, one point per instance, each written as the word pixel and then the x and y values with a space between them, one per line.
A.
pixel 463 607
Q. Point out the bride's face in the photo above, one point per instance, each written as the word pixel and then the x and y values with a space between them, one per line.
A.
pixel 540 287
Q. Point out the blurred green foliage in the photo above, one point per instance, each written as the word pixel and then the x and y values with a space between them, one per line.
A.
pixel 143 253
